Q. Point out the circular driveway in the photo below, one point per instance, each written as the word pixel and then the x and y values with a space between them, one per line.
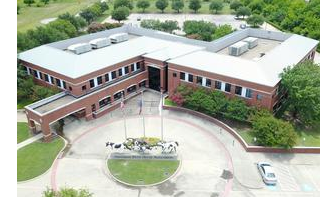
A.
pixel 204 159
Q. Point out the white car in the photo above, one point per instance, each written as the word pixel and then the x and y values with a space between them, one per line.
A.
pixel 267 173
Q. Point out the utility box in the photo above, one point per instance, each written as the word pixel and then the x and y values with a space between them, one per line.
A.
pixel 238 48
pixel 119 37
pixel 100 43
pixel 252 42
pixel 80 48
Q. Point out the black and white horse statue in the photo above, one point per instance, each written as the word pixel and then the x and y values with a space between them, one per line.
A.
pixel 168 147
pixel 116 145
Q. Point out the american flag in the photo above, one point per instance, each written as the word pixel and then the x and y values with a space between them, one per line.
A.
pixel 122 104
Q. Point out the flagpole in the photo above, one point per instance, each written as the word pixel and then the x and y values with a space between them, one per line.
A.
pixel 124 116
pixel 161 101
pixel 144 125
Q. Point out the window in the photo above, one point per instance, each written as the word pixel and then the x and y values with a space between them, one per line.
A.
pixel 249 93
pixel 106 76
pixel 64 84
pixel 182 76
pixel 118 95
pixel 99 80
pixel 35 74
pixel 58 82
pixel 259 97
pixel 84 87
pixel 142 84
pixel 131 89
pixel 208 82
pixel 217 85
pixel 104 102
pixel 138 65
pixel 190 78
pixel 52 80
pixel 41 76
pixel 227 87
pixel 120 72
pixel 132 67
pixel 46 77
pixel 91 83
pixel 199 80
pixel 114 74
pixel 238 90
pixel 70 88
pixel 126 69
pixel 174 74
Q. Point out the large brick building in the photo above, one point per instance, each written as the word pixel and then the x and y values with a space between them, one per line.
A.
pixel 92 82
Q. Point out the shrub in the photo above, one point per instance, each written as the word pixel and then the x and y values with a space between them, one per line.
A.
pixel 162 4
pixel 67 192
pixel 177 98
pixel 121 13
pixel 123 3
pixel 202 28
pixel 236 109
pixel 143 4
pixel 166 26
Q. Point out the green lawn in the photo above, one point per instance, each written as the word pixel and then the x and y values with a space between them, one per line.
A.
pixel 36 158
pixel 30 17
pixel 148 171
pixel 23 132
pixel 169 102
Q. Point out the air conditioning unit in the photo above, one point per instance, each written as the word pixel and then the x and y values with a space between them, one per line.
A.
pixel 100 43
pixel 80 48
pixel 238 48
pixel 252 41
pixel 119 37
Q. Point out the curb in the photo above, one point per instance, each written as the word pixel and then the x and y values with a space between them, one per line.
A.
pixel 54 161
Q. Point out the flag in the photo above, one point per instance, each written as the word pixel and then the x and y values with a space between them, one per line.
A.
pixel 160 106
pixel 122 102
pixel 140 106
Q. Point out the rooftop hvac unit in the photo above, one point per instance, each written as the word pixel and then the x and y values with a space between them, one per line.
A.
pixel 80 48
pixel 238 48
pixel 119 37
pixel 252 42
pixel 100 43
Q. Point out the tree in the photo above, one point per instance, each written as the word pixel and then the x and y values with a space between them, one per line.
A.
pixel 177 5
pixel 28 2
pixel 302 85
pixel 272 132
pixel 237 109
pixel 18 9
pixel 103 6
pixel 243 11
pixel 123 3
pixel 202 28
pixel 234 5
pixel 216 5
pixel 63 26
pixel 255 20
pixel 143 4
pixel 222 30
pixel 169 26
pixel 195 5
pixel 88 15
pixel 121 13
pixel 162 4
pixel 256 6
pixel 67 192
pixel 45 1
pixel 77 21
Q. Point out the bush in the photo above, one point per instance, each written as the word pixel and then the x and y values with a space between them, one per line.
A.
pixel 166 26
pixel 96 26
pixel 143 4
pixel 123 3
pixel 67 192
pixel 273 132
pixel 202 28
pixel 162 4
pixel 221 31
pixel 236 109
pixel 121 13
pixel 177 98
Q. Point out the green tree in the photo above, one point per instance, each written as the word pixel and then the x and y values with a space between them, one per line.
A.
pixel 151 24
pixel 234 5
pixel 237 109
pixel 123 3
pixel 216 5
pixel 143 4
pixel 243 11
pixel 66 192
pixel 202 28
pixel 194 5
pixel 88 15
pixel 302 85
pixel 256 6
pixel 29 2
pixel 121 13
pixel 103 6
pixel 255 20
pixel 77 21
pixel 63 26
pixel 222 30
pixel 169 26
pixel 18 9
pixel 272 132
pixel 162 4
pixel 177 5
pixel 45 1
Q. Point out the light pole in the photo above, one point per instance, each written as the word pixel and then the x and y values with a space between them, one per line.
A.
pixel 141 110
pixel 160 109
pixel 124 116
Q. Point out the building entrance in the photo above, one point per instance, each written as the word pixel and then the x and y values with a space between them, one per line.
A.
pixel 154 78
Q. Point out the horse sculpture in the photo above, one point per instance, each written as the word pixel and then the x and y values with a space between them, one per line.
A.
pixel 168 147
pixel 116 145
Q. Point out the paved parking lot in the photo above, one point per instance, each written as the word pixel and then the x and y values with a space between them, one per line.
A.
pixel 205 150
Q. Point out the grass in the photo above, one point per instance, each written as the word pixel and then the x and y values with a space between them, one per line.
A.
pixel 36 158
pixel 23 132
pixel 22 103
pixel 147 171
pixel 169 102
pixel 30 17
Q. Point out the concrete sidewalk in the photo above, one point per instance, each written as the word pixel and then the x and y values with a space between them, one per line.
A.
pixel 30 140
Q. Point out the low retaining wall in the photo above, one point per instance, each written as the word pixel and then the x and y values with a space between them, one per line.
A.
pixel 247 147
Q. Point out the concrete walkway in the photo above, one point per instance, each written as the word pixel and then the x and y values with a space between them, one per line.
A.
pixel 29 141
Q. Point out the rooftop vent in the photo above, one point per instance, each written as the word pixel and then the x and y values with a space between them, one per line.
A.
pixel 238 48
pixel 80 48
pixel 252 42
pixel 100 43
pixel 119 37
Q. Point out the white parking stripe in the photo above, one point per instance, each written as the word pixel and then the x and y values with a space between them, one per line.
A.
pixel 285 178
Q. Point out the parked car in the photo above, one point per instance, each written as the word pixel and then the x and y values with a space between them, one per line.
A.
pixel 243 26
pixel 267 173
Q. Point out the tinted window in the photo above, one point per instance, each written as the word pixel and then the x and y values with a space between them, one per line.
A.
pixel 64 84
pixel 114 74
pixel 227 87
pixel 132 67
pixel 104 102
pixel 41 77
pixel 182 76
pixel 217 85
pixel 117 96
pixel 138 65
pixel 132 89
pixel 106 77
pixel 84 87
pixel 126 70
pixel 248 93
pixel 208 82
pixel 120 72
pixel 190 78
pixel 58 82
pixel 52 80
pixel 91 83
pixel 99 80
pixel 142 84
pixel 238 90
pixel 199 80
pixel 46 77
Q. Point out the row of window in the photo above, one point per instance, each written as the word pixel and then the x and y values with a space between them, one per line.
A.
pixel 219 85
pixel 113 75
pixel 106 101
pixel 49 79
